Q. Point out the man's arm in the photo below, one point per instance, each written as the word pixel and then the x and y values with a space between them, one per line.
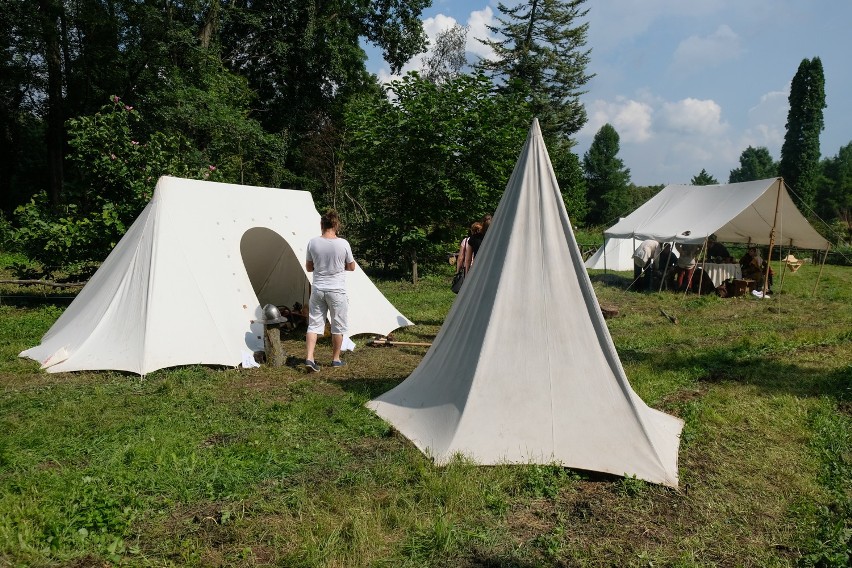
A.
pixel 309 265
pixel 350 266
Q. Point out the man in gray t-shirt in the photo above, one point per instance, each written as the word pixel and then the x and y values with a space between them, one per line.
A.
pixel 329 258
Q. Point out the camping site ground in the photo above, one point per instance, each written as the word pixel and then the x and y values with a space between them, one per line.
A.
pixel 204 466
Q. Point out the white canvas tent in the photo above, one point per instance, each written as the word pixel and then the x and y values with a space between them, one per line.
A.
pixel 189 278
pixel 757 212
pixel 616 254
pixel 523 369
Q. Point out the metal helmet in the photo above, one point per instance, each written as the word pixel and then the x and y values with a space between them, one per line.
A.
pixel 271 315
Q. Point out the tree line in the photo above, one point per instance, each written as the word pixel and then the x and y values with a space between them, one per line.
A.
pixel 98 98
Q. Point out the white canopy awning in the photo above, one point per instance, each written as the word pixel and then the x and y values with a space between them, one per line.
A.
pixel 735 213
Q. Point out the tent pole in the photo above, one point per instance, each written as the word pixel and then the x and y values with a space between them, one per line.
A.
pixel 703 263
pixel 691 274
pixel 824 258
pixel 783 271
pixel 604 251
pixel 772 239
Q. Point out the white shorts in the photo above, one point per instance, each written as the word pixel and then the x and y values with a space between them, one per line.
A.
pixel 335 304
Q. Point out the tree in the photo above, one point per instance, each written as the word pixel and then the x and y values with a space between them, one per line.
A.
pixel 755 163
pixel 542 56
pixel 606 177
pixel 118 165
pixel 424 162
pixel 448 58
pixel 304 58
pixel 834 200
pixel 703 178
pixel 800 153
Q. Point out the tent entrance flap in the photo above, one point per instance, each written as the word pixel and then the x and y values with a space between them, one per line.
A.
pixel 275 273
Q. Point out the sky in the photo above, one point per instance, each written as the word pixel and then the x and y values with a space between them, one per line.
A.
pixel 689 84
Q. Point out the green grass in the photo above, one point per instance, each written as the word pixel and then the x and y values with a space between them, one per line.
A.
pixel 201 466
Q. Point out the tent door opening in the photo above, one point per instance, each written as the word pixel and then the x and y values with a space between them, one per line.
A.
pixel 276 274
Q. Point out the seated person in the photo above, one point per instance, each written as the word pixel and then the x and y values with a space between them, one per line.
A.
pixel 754 268
pixel 716 251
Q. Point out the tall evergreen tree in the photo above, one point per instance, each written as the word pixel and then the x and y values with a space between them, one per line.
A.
pixel 542 54
pixel 755 163
pixel 800 153
pixel 703 178
pixel 607 179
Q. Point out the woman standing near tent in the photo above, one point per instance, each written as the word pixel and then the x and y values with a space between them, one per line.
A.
pixel 329 257
pixel 475 241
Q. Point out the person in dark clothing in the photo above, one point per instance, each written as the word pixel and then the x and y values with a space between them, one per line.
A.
pixel 717 252
pixel 667 265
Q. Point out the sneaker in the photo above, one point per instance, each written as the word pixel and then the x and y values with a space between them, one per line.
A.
pixel 312 365
pixel 337 363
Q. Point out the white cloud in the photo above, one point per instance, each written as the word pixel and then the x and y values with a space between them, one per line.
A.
pixel 696 53
pixel 692 117
pixel 477 29
pixel 631 119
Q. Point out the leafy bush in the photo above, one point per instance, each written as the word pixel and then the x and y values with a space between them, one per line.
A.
pixel 112 178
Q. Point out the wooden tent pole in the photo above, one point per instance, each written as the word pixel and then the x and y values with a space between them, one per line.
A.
pixel 772 239
pixel 604 251
pixel 824 258
pixel 783 271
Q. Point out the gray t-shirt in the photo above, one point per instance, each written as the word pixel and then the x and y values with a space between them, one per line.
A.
pixel 330 257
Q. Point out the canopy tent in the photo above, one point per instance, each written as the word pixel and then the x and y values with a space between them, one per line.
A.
pixel 616 254
pixel 523 369
pixel 187 282
pixel 758 212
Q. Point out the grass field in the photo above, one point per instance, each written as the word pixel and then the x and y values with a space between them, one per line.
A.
pixel 201 466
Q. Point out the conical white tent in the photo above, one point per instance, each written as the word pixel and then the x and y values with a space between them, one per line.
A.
pixel 188 280
pixel 524 369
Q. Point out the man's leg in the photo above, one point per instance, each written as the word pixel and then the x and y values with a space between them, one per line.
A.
pixel 336 346
pixel 338 310
pixel 310 344
pixel 316 322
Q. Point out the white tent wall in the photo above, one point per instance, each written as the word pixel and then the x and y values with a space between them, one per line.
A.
pixel 736 213
pixel 616 254
pixel 179 288
pixel 523 369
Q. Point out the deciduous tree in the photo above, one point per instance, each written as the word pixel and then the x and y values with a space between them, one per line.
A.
pixel 834 198
pixel 447 59
pixel 425 162
pixel 755 163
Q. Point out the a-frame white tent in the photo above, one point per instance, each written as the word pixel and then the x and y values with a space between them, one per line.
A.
pixel 616 254
pixel 759 212
pixel 187 282
pixel 524 369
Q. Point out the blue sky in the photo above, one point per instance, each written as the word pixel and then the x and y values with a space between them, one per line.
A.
pixel 690 84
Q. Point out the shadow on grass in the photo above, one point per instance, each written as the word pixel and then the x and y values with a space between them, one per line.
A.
pixel 369 388
pixel 747 368
pixel 24 299
pixel 611 279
